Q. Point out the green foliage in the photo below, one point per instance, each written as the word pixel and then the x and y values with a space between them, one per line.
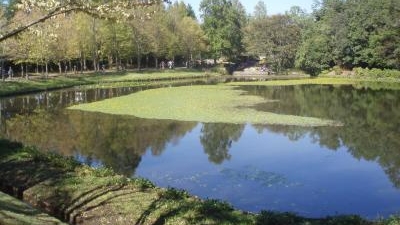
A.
pixel 392 220
pixel 175 194
pixel 345 220
pixel 143 183
pixel 350 34
pixel 223 21
pixel 275 218
pixel 54 159
pixel 212 206
pixel 376 73
pixel 276 38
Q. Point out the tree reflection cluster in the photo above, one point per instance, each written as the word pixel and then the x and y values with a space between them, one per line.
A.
pixel 371 129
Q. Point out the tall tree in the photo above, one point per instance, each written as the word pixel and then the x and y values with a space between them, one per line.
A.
pixel 276 38
pixel 223 22
pixel 352 33
pixel 260 10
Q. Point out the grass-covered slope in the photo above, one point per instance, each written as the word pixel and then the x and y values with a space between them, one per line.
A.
pixel 16 212
pixel 209 104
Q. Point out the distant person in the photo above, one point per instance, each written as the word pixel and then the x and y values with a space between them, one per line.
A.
pixel 10 73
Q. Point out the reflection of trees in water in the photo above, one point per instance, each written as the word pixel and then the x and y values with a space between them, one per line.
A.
pixel 371 120
pixel 371 128
pixel 217 140
pixel 117 141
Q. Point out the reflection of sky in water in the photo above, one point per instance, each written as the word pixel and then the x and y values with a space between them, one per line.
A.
pixel 266 171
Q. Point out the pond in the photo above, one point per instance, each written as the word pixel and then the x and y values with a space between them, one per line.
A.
pixel 311 171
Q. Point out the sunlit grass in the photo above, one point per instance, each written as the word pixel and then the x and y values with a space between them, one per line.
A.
pixel 355 82
pixel 209 104
pixel 156 75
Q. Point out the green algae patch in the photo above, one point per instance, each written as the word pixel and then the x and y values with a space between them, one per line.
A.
pixel 208 104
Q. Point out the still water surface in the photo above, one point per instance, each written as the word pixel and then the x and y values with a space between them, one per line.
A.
pixel 354 169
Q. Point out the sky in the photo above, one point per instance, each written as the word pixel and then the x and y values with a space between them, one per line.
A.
pixel 273 6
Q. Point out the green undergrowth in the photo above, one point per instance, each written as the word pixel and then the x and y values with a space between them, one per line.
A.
pixel 207 103
pixel 80 194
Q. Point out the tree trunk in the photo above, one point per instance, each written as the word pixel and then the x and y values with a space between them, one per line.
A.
pixel 47 70
pixel 59 67
pixel 22 69
pixel 26 72
pixel 138 61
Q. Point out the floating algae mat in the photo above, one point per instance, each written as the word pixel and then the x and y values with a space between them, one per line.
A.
pixel 208 104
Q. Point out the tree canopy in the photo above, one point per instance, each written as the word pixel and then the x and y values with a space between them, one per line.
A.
pixel 50 8
pixel 89 34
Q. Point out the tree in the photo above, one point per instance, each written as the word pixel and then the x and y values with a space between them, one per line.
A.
pixel 190 12
pixel 217 140
pixel 276 37
pixel 260 10
pixel 223 21
pixel 352 34
pixel 315 51
pixel 192 39
pixel 111 9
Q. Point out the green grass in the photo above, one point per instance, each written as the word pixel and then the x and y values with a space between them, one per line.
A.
pixel 209 104
pixel 16 212
pixel 355 82
pixel 157 75
pixel 98 80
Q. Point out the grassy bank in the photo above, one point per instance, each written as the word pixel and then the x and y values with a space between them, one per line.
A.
pixel 36 84
pixel 356 82
pixel 15 212
pixel 79 194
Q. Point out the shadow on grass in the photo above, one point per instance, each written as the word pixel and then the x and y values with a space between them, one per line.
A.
pixel 15 212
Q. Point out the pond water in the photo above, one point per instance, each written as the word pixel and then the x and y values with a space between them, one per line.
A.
pixel 314 172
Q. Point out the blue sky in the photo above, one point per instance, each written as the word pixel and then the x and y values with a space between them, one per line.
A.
pixel 273 6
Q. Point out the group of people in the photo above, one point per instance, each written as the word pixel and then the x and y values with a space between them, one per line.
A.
pixel 170 64
pixel 10 72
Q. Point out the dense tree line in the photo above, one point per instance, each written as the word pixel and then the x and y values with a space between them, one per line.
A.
pixel 77 41
pixel 79 35
pixel 352 33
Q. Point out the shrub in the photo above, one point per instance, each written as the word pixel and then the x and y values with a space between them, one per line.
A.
pixel 376 73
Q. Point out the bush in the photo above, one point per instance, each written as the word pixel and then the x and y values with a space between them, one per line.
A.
pixel 376 73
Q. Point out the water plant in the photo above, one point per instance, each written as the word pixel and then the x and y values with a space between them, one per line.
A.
pixel 207 103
